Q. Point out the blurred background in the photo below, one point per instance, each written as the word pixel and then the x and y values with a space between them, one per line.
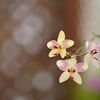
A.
pixel 26 71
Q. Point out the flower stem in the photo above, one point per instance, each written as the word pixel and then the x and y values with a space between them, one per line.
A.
pixel 83 54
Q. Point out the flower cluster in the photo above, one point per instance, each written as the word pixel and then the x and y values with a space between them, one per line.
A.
pixel 69 64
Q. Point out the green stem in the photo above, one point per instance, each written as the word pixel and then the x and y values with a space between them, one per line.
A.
pixel 78 52
pixel 82 45
pixel 83 54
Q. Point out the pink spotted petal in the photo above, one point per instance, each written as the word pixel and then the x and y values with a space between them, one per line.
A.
pixel 81 67
pixel 67 43
pixel 52 44
pixel 62 64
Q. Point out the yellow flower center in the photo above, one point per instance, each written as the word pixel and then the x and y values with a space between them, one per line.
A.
pixel 58 48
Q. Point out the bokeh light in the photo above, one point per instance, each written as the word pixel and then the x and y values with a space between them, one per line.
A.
pixel 43 81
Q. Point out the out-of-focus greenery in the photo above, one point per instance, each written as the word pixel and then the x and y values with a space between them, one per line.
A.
pixel 85 94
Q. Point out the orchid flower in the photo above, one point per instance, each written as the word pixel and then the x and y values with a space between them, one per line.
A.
pixel 59 46
pixel 93 51
pixel 71 69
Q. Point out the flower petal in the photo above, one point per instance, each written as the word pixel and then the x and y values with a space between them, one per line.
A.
pixel 87 58
pixel 77 78
pixel 72 62
pixel 61 36
pixel 98 48
pixel 93 46
pixel 64 76
pixel 96 63
pixel 67 43
pixel 81 67
pixel 88 44
pixel 62 64
pixel 51 44
pixel 63 53
pixel 53 53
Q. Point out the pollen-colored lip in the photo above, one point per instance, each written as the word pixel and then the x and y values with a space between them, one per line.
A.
pixel 71 70
pixel 57 47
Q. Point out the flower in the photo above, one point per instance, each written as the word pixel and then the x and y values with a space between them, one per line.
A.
pixel 93 51
pixel 59 46
pixel 71 69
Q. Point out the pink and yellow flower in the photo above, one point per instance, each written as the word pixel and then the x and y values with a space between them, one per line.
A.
pixel 71 69
pixel 93 52
pixel 59 46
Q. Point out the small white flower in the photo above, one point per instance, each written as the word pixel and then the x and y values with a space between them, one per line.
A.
pixel 59 46
pixel 93 51
pixel 71 69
